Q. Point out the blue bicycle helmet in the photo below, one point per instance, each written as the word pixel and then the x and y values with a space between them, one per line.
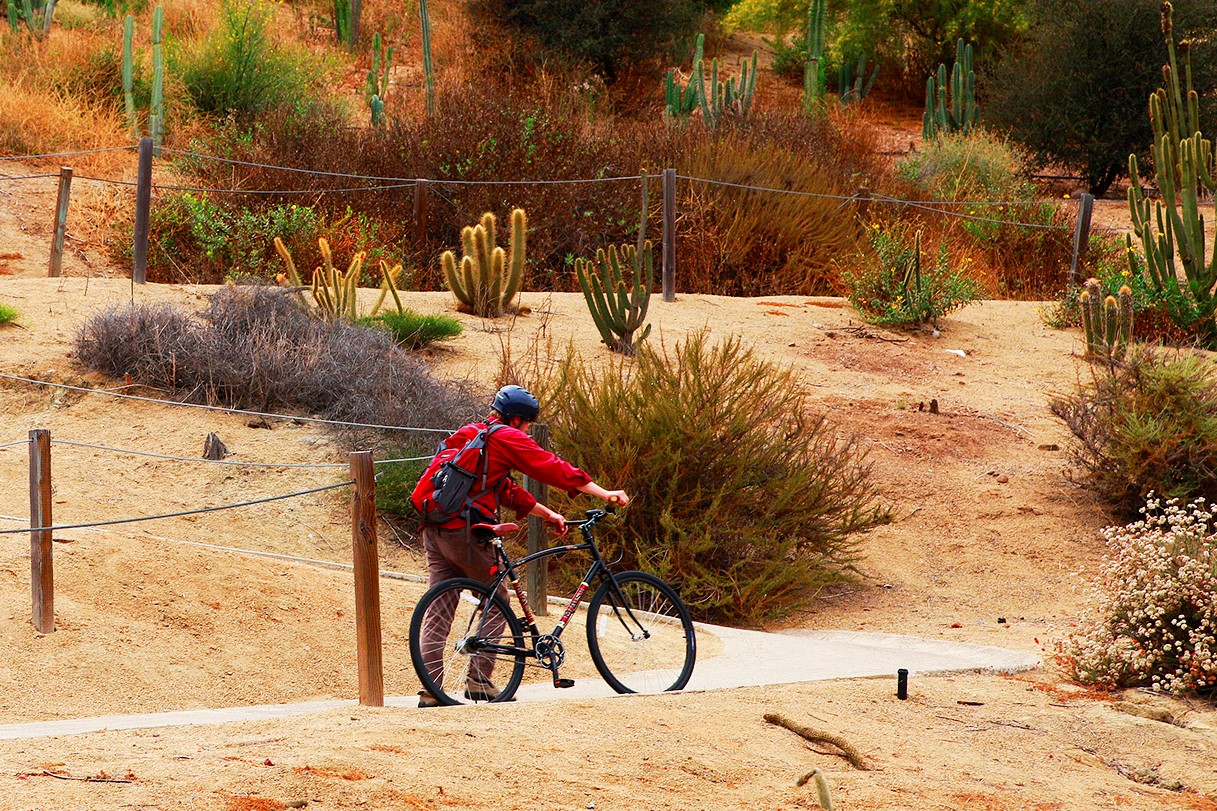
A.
pixel 516 401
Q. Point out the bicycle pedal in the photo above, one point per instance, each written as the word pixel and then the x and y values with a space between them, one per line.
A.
pixel 564 682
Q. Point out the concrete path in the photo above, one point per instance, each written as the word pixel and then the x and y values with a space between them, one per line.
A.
pixel 748 658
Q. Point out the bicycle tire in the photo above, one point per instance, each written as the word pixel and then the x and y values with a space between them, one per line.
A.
pixel 468 600
pixel 657 656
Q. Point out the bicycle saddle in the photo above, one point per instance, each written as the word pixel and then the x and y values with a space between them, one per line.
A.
pixel 498 529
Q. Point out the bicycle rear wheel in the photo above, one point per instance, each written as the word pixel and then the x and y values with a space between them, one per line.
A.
pixel 452 626
pixel 642 639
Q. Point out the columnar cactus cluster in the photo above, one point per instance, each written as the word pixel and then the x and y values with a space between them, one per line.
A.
pixel 488 279
pixel 1173 226
pixel 618 310
pixel 1106 320
pixel 376 86
pixel 960 113
pixel 734 96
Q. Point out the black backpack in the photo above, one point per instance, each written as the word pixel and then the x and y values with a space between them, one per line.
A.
pixel 454 479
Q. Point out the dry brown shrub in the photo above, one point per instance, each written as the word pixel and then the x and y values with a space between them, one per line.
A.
pixel 741 242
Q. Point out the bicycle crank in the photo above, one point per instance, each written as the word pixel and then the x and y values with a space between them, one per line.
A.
pixel 550 652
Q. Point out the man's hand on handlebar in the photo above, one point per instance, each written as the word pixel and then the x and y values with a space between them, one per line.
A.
pixel 617 498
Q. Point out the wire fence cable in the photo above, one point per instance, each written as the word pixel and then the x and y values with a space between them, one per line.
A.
pixel 178 514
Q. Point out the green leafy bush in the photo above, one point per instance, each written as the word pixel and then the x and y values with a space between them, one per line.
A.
pixel 1148 424
pixel 1022 247
pixel 741 497
pixel 900 289
pixel 240 71
pixel 414 330
pixel 1070 103
pixel 395 482
pixel 7 314
pixel 1154 618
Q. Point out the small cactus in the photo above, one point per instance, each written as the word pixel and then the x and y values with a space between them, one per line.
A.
pixel 376 86
pixel 1106 321
pixel 334 293
pixel 487 279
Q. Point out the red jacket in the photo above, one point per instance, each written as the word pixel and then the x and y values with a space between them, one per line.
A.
pixel 510 449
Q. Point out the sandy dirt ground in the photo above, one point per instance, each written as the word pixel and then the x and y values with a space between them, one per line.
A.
pixel 151 617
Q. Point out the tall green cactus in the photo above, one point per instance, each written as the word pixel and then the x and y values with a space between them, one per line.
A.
pixel 156 108
pixel 376 86
pixel 962 113
pixel 1106 321
pixel 428 68
pixel 813 69
pixel 488 279
pixel 37 23
pixel 1184 161
pixel 679 103
pixel 617 310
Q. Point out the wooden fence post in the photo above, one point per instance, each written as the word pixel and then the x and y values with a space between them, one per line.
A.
pixel 536 580
pixel 42 576
pixel 669 235
pixel 61 220
pixel 1081 237
pixel 143 205
pixel 367 581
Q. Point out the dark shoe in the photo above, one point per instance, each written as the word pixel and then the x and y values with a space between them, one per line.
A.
pixel 479 689
pixel 425 699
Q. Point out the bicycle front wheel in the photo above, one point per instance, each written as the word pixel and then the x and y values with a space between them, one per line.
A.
pixel 640 634
pixel 465 640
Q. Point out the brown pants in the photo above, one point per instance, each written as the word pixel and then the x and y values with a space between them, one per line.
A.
pixel 450 553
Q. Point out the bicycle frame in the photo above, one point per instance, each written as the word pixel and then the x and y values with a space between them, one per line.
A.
pixel 598 569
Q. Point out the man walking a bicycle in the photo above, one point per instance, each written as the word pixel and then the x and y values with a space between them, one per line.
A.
pixel 454 550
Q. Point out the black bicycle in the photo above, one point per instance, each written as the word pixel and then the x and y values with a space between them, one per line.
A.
pixel 639 632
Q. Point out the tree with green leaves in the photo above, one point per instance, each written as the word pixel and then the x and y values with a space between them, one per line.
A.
pixel 609 35
pixel 1075 93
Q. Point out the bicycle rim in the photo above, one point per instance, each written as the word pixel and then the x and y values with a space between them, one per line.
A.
pixel 651 648
pixel 450 624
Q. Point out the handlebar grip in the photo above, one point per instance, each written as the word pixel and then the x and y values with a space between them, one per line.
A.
pixel 610 508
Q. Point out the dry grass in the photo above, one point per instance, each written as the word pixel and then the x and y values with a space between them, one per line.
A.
pixel 35 121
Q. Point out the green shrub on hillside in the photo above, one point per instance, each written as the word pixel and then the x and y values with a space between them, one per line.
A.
pixel 740 496
pixel 241 71
pixel 901 287
pixel 611 35
pixel 1147 424
pixel 7 314
pixel 1154 619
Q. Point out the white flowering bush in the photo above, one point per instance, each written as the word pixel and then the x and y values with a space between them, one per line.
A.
pixel 1154 623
